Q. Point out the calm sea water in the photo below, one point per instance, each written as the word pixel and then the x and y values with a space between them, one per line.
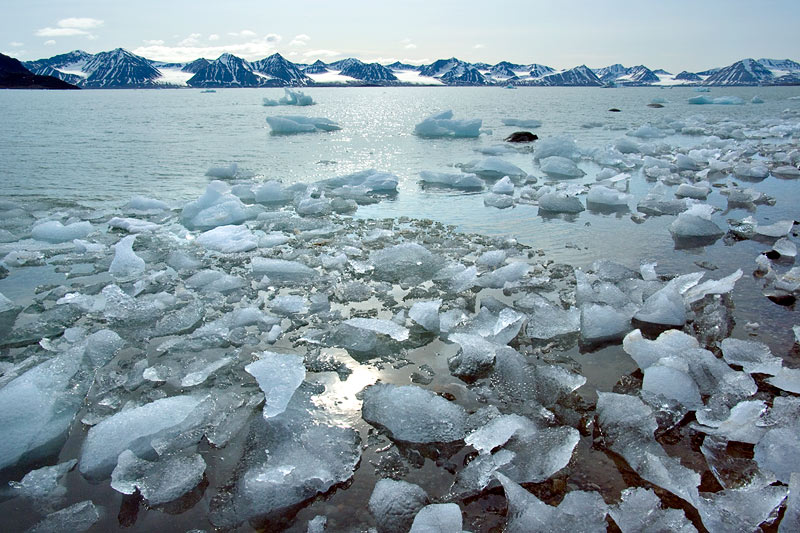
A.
pixel 94 150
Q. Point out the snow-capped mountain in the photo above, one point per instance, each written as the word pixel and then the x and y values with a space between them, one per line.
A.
pixel 227 71
pixel 279 68
pixel 14 75
pixel 372 72
pixel 744 72
pixel 618 74
pixel 581 76
pixel 317 67
pixel 195 66
pixel 688 76
pixel 463 74
pixel 119 68
pixel 397 65
pixel 611 73
pixel 537 71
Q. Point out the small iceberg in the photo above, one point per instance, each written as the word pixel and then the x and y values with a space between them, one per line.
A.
pixel 288 124
pixel 720 100
pixel 297 98
pixel 444 125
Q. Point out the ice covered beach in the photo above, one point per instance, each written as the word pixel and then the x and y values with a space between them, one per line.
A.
pixel 376 327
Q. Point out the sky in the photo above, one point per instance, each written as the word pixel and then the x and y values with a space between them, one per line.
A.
pixel 671 34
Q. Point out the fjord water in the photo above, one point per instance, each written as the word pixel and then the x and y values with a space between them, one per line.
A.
pixel 98 149
pixel 91 151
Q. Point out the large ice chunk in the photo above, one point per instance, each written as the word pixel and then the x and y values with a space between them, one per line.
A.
pixel 228 239
pixel 665 307
pixel 298 124
pixel 494 168
pixel 39 407
pixel 695 222
pixel 133 429
pixel 444 125
pixel 560 202
pixel 133 225
pixel 278 375
pixel 451 180
pixel 56 232
pixel 556 146
pixel 216 207
pixel 601 323
pixel 560 167
pixel 438 518
pixel 394 504
pixel 412 414
pixel 752 356
pixel 475 359
pixel 404 261
pixel 158 482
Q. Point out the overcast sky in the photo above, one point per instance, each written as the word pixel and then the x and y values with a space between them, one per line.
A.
pixel 670 34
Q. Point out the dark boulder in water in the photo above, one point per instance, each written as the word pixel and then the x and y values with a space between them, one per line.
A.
pixel 655 106
pixel 614 110
pixel 521 137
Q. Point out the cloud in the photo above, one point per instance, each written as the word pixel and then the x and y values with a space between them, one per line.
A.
pixel 213 37
pixel 79 23
pixel 273 38
pixel 251 50
pixel 300 40
pixel 60 32
pixel 479 46
pixel 321 53
pixel 410 46
pixel 50 42
pixel 152 42
pixel 192 40
pixel 16 44
pixel 243 33
pixel 71 27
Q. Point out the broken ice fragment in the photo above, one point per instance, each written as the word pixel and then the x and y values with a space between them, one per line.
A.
pixel 412 414
pixel 158 482
pixel 601 323
pixel 133 429
pixel 281 270
pixel 475 359
pixel 560 167
pixel 126 263
pixel 75 518
pixel 404 261
pixel 640 511
pixel 740 426
pixel 228 239
pixel 754 357
pixel 278 375
pixel 578 512
pixel 42 486
pixel 426 314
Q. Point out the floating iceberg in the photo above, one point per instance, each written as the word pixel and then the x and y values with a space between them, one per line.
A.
pixel 560 167
pixel 695 222
pixel 228 239
pixel 55 232
pixel 720 100
pixel 160 481
pixel 560 202
pixel 444 125
pixel 451 180
pixel 216 207
pixel 291 97
pixel 494 168
pixel 223 173
pixel 126 264
pixel 287 124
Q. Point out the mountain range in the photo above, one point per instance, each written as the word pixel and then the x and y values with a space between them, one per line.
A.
pixel 122 69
